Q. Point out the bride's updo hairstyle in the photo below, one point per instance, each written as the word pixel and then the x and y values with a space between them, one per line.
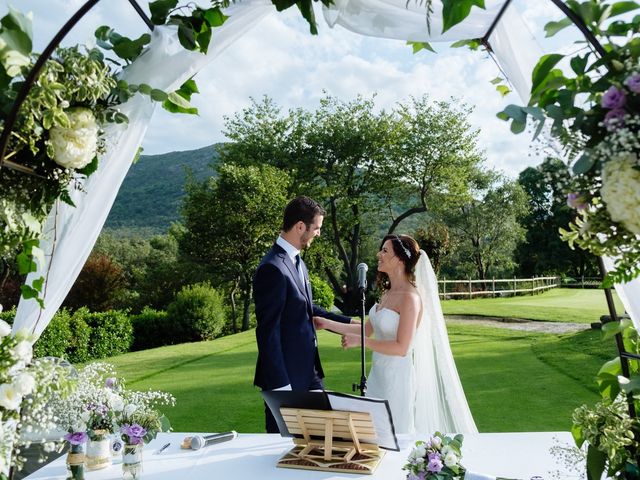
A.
pixel 408 251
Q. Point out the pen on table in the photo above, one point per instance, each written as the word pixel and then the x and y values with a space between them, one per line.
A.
pixel 163 448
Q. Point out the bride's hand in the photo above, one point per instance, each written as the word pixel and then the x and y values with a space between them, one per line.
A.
pixel 349 341
pixel 320 323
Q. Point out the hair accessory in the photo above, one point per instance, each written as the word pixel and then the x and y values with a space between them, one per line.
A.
pixel 406 250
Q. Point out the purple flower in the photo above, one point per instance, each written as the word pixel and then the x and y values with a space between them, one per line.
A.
pixel 575 200
pixel 633 82
pixel 413 476
pixel 434 465
pixel 76 438
pixel 614 119
pixel 613 98
pixel 135 433
pixel 110 382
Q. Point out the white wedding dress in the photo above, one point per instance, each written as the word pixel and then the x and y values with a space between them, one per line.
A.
pixel 423 387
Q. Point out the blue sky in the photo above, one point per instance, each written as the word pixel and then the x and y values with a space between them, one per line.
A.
pixel 279 58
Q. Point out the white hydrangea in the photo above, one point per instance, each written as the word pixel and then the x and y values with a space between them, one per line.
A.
pixel 23 351
pixel 621 191
pixel 75 147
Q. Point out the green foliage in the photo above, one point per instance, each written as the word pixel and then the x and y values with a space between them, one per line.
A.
pixel 152 191
pixel 487 228
pixel 436 243
pixel 81 334
pixel 197 313
pixel 100 286
pixel 543 252
pixel 151 329
pixel 231 221
pixel 54 340
pixel 111 332
pixel 321 291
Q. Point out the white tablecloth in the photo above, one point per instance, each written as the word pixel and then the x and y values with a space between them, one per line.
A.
pixel 254 456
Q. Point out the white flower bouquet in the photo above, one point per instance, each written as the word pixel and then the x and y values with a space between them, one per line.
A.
pixel 438 458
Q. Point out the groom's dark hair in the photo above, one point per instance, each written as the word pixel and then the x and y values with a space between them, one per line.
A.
pixel 301 209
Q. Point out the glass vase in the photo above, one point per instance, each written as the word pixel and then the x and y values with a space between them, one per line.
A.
pixel 98 453
pixel 75 462
pixel 132 462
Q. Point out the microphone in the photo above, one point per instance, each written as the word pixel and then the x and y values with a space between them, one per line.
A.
pixel 199 441
pixel 362 276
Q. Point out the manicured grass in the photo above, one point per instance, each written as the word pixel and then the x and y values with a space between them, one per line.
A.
pixel 514 381
pixel 557 305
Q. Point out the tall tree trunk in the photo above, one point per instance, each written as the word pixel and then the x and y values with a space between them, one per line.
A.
pixel 234 309
pixel 247 291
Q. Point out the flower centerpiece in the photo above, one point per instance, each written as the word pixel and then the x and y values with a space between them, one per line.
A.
pixel 99 406
pixel 140 423
pixel 90 413
pixel 438 458
pixel 26 386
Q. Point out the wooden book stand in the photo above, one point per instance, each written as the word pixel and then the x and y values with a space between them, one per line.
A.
pixel 339 448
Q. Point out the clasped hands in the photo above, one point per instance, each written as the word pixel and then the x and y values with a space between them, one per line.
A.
pixel 348 340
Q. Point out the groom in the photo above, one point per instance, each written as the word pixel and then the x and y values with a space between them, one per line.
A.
pixel 287 344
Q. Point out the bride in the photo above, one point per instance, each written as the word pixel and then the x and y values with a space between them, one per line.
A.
pixel 412 365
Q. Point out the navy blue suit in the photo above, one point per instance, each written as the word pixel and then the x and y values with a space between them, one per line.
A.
pixel 287 344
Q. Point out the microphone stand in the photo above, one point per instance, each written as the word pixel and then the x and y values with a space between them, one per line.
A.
pixel 363 378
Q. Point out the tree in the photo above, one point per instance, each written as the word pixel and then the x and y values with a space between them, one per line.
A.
pixel 360 163
pixel 230 222
pixel 488 227
pixel 436 243
pixel 543 251
pixel 99 286
pixel 436 157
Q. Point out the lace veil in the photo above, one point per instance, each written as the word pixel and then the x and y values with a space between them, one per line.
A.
pixel 440 401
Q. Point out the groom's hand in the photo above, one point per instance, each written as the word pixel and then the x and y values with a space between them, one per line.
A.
pixel 320 323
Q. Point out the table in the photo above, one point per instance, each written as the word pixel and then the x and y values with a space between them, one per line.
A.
pixel 254 456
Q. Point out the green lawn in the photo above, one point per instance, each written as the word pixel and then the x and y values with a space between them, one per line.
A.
pixel 557 305
pixel 514 381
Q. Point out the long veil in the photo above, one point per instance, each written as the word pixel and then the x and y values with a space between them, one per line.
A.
pixel 440 401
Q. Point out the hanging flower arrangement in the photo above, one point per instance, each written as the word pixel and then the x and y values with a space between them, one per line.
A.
pixel 59 134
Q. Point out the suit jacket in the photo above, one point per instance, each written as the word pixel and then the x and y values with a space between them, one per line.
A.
pixel 287 343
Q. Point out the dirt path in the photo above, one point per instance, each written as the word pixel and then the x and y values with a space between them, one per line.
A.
pixel 517 324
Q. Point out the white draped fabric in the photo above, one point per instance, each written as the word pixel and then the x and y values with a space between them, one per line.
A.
pixel 514 46
pixel 629 294
pixel 70 233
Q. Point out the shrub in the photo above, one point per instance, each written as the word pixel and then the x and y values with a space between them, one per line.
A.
pixel 55 339
pixel 197 313
pixel 152 328
pixel 111 333
pixel 322 292
pixel 8 315
pixel 78 347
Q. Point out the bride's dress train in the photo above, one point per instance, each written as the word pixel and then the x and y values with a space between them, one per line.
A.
pixel 423 388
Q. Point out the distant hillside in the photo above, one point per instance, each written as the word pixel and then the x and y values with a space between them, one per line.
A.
pixel 150 196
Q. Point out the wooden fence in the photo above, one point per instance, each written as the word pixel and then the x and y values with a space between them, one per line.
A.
pixel 496 287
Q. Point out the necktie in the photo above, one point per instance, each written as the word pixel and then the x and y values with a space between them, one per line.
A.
pixel 299 269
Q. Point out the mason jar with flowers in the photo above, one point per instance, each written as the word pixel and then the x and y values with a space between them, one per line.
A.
pixel 140 422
